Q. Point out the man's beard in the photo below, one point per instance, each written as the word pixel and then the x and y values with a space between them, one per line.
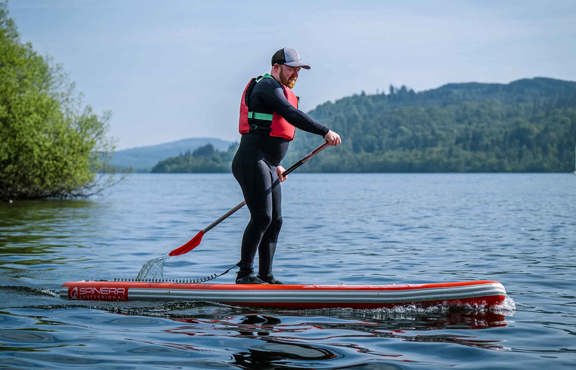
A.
pixel 291 82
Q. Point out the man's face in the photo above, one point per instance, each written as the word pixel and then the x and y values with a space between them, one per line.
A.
pixel 288 75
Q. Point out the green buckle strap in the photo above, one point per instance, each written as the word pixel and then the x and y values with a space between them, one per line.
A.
pixel 260 116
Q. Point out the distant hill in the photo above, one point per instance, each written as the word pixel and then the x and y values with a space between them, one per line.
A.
pixel 528 125
pixel 142 159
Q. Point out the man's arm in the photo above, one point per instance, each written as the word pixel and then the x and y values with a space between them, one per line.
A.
pixel 271 95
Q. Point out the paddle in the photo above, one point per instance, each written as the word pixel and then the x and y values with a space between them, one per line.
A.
pixel 195 241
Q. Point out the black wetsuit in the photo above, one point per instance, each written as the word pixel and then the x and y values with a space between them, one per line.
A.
pixel 254 167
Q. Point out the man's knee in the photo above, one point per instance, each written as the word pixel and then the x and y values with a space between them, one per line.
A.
pixel 262 220
pixel 276 223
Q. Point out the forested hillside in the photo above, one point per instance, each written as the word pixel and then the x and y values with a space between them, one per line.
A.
pixel 528 125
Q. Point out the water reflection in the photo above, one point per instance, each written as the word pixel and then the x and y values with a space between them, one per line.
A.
pixel 272 353
pixel 450 319
pixel 24 225
pixel 257 325
pixel 30 232
pixel 290 339
pixel 276 340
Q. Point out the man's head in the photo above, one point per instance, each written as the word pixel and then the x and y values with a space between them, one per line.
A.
pixel 286 63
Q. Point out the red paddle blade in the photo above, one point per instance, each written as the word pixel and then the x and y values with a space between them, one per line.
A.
pixel 191 244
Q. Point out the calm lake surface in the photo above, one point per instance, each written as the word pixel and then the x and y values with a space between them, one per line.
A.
pixel 519 229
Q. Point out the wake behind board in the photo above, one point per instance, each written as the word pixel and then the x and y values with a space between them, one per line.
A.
pixel 294 296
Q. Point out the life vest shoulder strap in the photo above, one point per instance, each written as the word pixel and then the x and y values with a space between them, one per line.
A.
pixel 251 84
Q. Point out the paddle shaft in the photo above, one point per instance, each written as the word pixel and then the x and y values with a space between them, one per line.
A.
pixel 195 241
pixel 285 173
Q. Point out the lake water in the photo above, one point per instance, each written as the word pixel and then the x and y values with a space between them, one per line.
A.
pixel 519 229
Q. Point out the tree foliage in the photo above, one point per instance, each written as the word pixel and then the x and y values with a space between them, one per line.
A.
pixel 49 140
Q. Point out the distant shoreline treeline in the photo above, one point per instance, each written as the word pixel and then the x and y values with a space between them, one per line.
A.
pixel 528 125
pixel 205 159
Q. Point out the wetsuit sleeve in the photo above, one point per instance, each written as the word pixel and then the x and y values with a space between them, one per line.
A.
pixel 272 96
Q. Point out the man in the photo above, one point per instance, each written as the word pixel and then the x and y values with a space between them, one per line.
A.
pixel 268 117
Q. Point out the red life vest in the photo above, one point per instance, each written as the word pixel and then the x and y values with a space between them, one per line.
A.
pixel 275 124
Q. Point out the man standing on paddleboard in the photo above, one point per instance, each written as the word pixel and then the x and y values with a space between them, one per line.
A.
pixel 268 116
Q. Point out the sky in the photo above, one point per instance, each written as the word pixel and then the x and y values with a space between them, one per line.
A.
pixel 175 69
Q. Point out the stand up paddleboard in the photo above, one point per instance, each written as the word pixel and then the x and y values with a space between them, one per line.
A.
pixel 486 293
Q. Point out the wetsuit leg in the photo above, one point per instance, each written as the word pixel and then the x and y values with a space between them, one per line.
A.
pixel 256 178
pixel 267 247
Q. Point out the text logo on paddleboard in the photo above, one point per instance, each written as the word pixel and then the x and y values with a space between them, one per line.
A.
pixel 100 293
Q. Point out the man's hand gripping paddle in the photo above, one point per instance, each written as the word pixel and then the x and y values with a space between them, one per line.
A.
pixel 197 239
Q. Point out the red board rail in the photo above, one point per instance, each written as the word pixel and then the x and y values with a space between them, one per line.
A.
pixel 294 296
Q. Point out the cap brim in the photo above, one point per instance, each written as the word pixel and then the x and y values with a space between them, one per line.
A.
pixel 296 64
